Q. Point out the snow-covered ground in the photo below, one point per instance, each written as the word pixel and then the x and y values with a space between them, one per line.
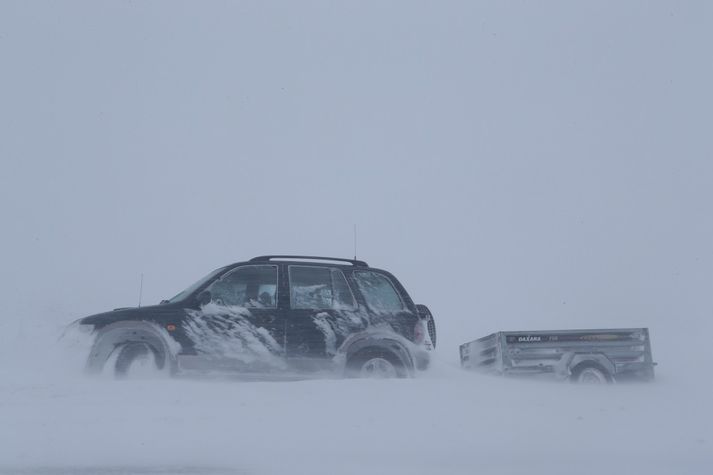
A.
pixel 55 421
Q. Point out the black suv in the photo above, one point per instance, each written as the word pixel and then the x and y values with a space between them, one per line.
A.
pixel 272 315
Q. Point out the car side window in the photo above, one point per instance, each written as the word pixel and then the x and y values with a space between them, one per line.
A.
pixel 247 286
pixel 314 287
pixel 378 291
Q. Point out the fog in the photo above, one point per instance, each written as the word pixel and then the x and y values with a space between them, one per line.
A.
pixel 517 166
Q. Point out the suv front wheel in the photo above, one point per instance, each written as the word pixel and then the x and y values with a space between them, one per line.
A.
pixel 138 359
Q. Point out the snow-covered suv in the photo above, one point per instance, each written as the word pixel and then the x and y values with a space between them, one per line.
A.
pixel 275 316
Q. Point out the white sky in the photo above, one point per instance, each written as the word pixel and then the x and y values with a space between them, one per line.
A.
pixel 518 165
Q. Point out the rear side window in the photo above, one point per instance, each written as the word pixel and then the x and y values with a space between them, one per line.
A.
pixel 319 288
pixel 378 291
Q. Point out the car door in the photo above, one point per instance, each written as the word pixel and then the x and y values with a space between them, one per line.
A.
pixel 242 327
pixel 385 304
pixel 322 313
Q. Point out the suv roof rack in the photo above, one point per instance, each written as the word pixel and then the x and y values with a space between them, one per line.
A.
pixel 353 262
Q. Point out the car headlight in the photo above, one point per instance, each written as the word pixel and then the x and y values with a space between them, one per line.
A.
pixel 85 328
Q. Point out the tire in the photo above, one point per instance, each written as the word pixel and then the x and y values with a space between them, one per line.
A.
pixel 138 358
pixel 424 312
pixel 375 364
pixel 590 374
pixel 119 346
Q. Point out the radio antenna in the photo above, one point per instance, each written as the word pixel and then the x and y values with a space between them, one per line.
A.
pixel 141 288
pixel 355 242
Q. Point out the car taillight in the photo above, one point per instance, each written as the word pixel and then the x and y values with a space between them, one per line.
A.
pixel 419 332
pixel 421 336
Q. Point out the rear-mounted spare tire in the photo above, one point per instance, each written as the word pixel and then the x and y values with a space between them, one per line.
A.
pixel 426 314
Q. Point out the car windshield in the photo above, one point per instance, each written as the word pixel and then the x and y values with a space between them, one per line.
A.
pixel 185 293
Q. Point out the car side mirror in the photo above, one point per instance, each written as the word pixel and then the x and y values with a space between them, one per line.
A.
pixel 204 298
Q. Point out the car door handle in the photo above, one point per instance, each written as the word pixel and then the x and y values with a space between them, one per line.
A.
pixel 266 319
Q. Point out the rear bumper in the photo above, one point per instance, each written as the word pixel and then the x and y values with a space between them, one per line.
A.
pixel 422 359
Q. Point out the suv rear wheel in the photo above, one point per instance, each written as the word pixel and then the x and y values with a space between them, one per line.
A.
pixel 375 364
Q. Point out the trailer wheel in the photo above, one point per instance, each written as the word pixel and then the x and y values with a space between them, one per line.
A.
pixel 589 373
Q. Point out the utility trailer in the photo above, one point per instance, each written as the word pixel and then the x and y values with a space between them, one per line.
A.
pixel 593 356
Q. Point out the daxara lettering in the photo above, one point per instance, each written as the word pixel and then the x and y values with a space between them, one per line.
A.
pixel 528 338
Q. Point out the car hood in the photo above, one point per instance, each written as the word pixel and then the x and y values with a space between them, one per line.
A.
pixel 151 312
